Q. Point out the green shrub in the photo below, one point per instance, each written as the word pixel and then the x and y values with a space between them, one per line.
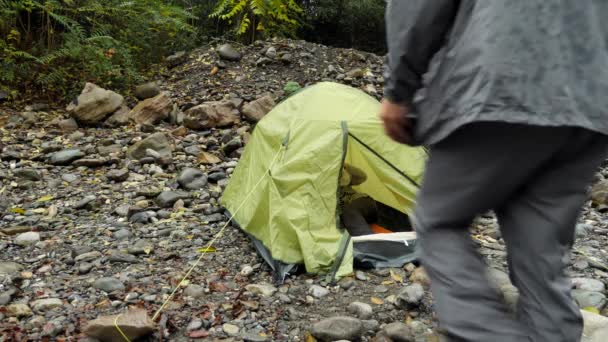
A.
pixel 54 46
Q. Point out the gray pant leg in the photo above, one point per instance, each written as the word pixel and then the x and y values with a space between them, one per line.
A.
pixel 538 225
pixel 475 169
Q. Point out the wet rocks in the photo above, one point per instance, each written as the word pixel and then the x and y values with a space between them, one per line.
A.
pixel 94 104
pixel 27 239
pixel 108 284
pixel 360 310
pixel 229 53
pixel 146 90
pixel 66 157
pixel 257 109
pixel 337 328
pixel 134 323
pixel 211 115
pixel 152 110
pixel 192 179
pixel 158 142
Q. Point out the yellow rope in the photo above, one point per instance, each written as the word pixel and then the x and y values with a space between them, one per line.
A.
pixel 120 330
pixel 208 248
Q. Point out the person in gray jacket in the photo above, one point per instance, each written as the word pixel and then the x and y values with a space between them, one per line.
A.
pixel 511 96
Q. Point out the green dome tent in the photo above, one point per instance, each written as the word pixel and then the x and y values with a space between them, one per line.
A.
pixel 284 190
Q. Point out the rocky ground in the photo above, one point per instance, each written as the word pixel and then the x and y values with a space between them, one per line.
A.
pixel 106 204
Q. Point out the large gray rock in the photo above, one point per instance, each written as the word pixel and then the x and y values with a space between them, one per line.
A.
pixel 147 90
pixel 192 179
pixel 158 142
pixel 229 53
pixel 109 284
pixel 410 296
pixel 588 284
pixel 66 157
pixel 94 104
pixel 134 323
pixel 120 118
pixel 166 199
pixel 589 299
pixel 211 115
pixel 152 110
pixel 338 328
pixel 257 109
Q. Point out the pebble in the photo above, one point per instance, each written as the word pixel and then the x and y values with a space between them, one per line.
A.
pixel 246 270
pixel 118 175
pixel 46 304
pixel 318 291
pixel 18 310
pixel 27 239
pixel 360 275
pixel 194 291
pixel 264 290
pixel 230 329
pixel 66 157
pixel 166 199
pixel 192 179
pixel 194 324
pixel 346 283
pixel 588 284
pixel 109 284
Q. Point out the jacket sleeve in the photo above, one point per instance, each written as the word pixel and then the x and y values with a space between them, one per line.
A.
pixel 416 30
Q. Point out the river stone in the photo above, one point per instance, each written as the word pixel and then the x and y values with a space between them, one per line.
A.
pixel 230 329
pixel 192 179
pixel 599 193
pixel 194 291
pixel 66 157
pixel 158 142
pixel 166 199
pixel 29 174
pixel 257 109
pixel 212 115
pixel 94 104
pixel 134 323
pixel 360 310
pixel 16 230
pixel 586 299
pixel 146 90
pixel 398 332
pixel 227 52
pixel 153 110
pixel 42 305
pixel 410 296
pixel 265 290
pixel 588 284
pixel 176 59
pixel 318 291
pixel 18 310
pixel 27 239
pixel 118 175
pixel 338 328
pixel 109 284
pixel 9 268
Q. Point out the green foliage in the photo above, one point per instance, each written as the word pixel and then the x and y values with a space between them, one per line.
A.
pixel 254 17
pixel 346 23
pixel 55 46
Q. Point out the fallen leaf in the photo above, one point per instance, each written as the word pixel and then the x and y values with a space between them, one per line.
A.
pixel 310 338
pixel 377 301
pixel 592 309
pixel 207 250
pixel 214 70
pixel 208 158
pixel 147 250
pixel 45 198
pixel 387 282
pixel 184 282
pixel 396 277
pixel 18 210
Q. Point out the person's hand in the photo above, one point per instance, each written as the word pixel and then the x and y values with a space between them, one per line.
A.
pixel 396 122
